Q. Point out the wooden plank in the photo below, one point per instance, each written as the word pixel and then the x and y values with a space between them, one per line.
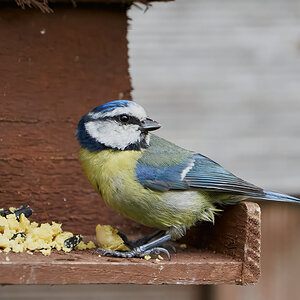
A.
pixel 236 233
pixel 108 1
pixel 225 253
pixel 74 2
pixel 55 68
pixel 280 264
pixel 82 268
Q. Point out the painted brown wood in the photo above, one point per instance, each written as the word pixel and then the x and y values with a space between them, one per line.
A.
pixel 54 68
pixel 237 233
pixel 100 1
pixel 184 268
pixel 226 253
pixel 280 264
pixel 47 6
pixel 108 1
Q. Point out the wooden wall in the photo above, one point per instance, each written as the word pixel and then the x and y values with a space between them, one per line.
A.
pixel 54 68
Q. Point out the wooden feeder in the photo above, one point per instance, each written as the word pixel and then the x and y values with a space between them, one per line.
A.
pixel 55 68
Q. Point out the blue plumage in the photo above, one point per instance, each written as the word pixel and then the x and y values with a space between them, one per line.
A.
pixel 162 178
pixel 279 197
pixel 209 175
pixel 111 105
pixel 188 171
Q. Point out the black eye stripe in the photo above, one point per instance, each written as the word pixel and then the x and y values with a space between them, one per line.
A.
pixel 132 120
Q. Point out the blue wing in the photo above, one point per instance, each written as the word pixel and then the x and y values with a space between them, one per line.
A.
pixel 165 166
pixel 207 174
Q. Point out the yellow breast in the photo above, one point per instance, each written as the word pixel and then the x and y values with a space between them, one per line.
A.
pixel 112 174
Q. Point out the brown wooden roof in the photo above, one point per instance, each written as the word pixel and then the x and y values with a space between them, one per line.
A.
pixel 43 4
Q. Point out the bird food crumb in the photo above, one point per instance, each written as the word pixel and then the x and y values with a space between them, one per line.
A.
pixel 160 257
pixel 108 238
pixel 147 257
pixel 84 246
pixel 183 246
pixel 18 234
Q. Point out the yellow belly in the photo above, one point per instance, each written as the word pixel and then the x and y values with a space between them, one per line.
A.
pixel 112 174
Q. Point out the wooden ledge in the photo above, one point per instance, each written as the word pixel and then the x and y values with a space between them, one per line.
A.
pixel 225 253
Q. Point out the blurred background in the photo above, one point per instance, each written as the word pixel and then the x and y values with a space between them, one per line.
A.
pixel 223 78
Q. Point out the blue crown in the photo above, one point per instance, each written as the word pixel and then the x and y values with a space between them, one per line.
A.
pixel 112 105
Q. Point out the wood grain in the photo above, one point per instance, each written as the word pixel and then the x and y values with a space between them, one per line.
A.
pixel 81 268
pixel 226 253
pixel 55 68
pixel 236 233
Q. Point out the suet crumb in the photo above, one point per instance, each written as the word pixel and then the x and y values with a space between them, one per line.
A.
pixel 160 257
pixel 183 246
pixel 147 257
pixel 108 238
pixel 84 246
pixel 18 234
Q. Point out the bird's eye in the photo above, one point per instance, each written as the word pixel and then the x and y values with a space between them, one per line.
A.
pixel 124 118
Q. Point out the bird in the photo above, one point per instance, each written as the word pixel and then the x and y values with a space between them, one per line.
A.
pixel 153 181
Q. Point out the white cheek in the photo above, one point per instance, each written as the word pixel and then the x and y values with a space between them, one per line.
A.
pixel 112 134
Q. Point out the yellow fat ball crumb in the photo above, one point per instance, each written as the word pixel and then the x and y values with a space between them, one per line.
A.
pixel 20 235
pixel 147 257
pixel 4 241
pixel 13 223
pixel 59 240
pixel 46 251
pixel 183 246
pixel 24 223
pixel 108 238
pixel 83 246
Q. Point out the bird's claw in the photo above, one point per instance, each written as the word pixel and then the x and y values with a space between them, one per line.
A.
pixel 156 251
pixel 172 247
pixel 96 251
pixel 136 252
pixel 141 251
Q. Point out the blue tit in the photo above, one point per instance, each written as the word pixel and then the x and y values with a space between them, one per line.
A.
pixel 151 180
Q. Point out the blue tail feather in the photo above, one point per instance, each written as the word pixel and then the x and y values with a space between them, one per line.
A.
pixel 279 197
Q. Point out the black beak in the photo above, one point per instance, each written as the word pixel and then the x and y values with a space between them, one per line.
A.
pixel 149 125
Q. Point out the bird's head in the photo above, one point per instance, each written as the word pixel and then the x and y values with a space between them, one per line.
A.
pixel 117 125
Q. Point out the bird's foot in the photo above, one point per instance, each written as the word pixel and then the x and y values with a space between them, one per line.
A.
pixel 143 250
pixel 142 241
pixel 136 252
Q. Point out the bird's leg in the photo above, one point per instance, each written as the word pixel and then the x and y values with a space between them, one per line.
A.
pixel 141 251
pixel 141 241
